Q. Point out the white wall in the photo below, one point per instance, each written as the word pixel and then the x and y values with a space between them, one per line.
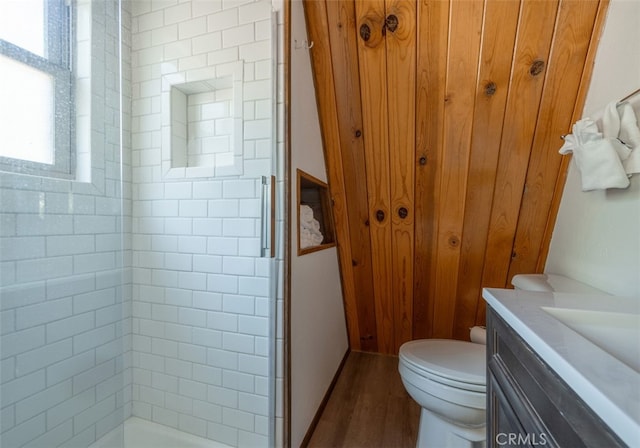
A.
pixel 318 327
pixel 597 235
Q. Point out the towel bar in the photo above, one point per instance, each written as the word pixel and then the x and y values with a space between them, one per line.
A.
pixel 630 95
pixel 635 92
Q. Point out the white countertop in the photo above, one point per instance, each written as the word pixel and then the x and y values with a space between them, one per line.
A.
pixel 610 387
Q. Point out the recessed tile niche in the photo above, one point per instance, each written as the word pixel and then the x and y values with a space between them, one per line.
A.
pixel 202 126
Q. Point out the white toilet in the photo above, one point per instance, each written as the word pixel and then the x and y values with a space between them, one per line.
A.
pixel 447 378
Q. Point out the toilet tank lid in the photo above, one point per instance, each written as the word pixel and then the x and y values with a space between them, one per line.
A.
pixel 457 360
pixel 551 283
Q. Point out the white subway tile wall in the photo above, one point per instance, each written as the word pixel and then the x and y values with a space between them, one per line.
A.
pixel 201 352
pixel 66 282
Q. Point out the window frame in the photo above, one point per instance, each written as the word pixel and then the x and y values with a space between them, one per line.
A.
pixel 57 64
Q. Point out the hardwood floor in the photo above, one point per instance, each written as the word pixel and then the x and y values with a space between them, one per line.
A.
pixel 368 407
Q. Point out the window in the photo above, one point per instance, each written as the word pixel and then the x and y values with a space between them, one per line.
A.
pixel 36 87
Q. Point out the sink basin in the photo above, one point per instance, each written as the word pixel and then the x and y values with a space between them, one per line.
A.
pixel 616 333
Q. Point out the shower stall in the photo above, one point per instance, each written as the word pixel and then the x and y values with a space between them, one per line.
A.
pixel 139 242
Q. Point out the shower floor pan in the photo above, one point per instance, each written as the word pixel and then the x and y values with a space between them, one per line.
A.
pixel 139 433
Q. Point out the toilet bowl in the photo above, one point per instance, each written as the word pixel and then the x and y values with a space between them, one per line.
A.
pixel 447 378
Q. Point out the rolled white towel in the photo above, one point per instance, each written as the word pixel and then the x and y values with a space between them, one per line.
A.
pixel 309 238
pixel 312 225
pixel 310 234
pixel 306 213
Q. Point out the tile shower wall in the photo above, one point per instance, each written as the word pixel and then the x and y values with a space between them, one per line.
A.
pixel 65 279
pixel 200 296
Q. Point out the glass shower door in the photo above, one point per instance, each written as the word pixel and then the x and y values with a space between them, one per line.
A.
pixel 203 288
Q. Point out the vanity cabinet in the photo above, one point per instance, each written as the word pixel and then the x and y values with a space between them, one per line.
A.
pixel 528 404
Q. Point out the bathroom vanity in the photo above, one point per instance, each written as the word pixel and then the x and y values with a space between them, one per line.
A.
pixel 548 383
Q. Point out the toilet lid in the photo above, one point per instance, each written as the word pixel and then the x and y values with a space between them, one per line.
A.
pixel 457 360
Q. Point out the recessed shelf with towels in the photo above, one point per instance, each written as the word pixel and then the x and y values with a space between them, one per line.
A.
pixel 315 222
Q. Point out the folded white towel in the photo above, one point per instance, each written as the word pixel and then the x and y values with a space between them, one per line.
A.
pixel 597 158
pixel 620 122
pixel 632 163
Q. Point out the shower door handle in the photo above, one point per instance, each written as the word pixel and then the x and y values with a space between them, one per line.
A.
pixel 268 225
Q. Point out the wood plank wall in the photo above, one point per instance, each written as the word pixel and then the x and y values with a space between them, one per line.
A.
pixel 441 123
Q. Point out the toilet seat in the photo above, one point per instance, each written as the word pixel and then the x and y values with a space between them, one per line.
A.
pixel 457 364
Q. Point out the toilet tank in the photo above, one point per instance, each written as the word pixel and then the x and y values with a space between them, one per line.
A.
pixel 551 283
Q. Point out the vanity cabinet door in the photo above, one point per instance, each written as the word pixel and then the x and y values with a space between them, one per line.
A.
pixel 513 421
pixel 502 419
pixel 528 404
